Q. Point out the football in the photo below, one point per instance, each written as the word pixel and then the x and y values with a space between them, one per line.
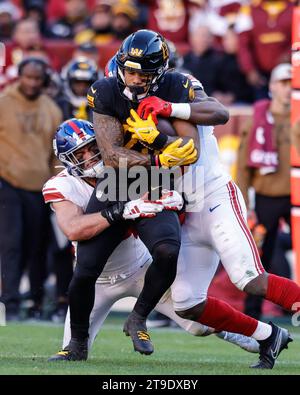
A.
pixel 165 126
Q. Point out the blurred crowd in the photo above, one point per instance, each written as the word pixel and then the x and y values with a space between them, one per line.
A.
pixel 230 46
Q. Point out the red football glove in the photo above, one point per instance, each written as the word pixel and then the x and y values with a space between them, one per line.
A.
pixel 155 106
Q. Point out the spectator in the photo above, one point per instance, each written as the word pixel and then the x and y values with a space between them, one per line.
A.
pixel 201 13
pixel 35 9
pixel 72 22
pixel 99 27
pixel 228 9
pixel 169 17
pixel 26 40
pixel 203 59
pixel 264 29
pixel 8 15
pixel 231 84
pixel 263 162
pixel 124 17
pixel 28 120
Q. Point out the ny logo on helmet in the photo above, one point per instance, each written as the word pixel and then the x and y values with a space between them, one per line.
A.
pixel 136 52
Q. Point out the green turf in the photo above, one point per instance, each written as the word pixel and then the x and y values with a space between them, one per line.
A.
pixel 24 349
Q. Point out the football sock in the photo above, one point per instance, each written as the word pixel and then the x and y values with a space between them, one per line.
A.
pixel 221 316
pixel 283 292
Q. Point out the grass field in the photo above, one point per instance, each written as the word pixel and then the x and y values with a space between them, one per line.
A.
pixel 24 349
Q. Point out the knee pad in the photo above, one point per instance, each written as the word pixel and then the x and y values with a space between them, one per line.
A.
pixel 166 252
pixel 184 297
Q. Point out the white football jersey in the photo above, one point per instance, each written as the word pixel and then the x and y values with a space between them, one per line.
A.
pixel 207 174
pixel 130 254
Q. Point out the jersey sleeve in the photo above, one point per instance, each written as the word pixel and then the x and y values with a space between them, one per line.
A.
pixel 184 86
pixel 100 98
pixel 196 84
pixel 57 189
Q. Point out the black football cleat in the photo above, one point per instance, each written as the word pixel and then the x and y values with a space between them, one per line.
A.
pixel 75 351
pixel 272 347
pixel 135 327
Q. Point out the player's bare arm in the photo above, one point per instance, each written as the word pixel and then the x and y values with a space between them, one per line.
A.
pixel 207 111
pixel 109 135
pixel 78 226
pixel 75 224
pixel 186 130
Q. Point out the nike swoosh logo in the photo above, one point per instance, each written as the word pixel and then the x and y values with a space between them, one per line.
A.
pixel 93 90
pixel 186 84
pixel 154 188
pixel 276 350
pixel 213 208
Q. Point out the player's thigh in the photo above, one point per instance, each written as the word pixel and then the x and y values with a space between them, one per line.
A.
pixel 93 254
pixel 196 267
pixel 163 228
pixel 232 238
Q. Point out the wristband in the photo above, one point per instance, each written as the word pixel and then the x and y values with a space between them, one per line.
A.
pixel 113 213
pixel 154 159
pixel 181 111
pixel 159 142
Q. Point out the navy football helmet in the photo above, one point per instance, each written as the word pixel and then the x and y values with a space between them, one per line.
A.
pixel 71 136
pixel 81 69
pixel 144 51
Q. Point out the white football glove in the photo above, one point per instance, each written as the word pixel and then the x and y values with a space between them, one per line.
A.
pixel 141 208
pixel 171 200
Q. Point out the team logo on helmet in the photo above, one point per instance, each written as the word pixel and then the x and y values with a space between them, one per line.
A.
pixel 136 52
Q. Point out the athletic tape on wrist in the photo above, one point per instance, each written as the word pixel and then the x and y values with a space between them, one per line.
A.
pixel 181 110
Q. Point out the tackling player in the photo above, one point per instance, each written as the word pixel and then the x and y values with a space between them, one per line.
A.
pixel 123 275
pixel 220 231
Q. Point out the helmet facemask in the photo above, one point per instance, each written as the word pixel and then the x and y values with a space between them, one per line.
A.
pixel 137 92
pixel 78 167
pixel 142 52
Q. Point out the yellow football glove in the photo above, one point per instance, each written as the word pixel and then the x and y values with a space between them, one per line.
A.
pixel 174 155
pixel 145 131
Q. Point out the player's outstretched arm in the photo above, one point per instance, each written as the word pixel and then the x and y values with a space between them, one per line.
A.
pixel 203 110
pixel 75 224
pixel 207 111
pixel 78 226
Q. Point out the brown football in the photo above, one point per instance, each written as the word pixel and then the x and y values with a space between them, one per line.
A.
pixel 165 126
